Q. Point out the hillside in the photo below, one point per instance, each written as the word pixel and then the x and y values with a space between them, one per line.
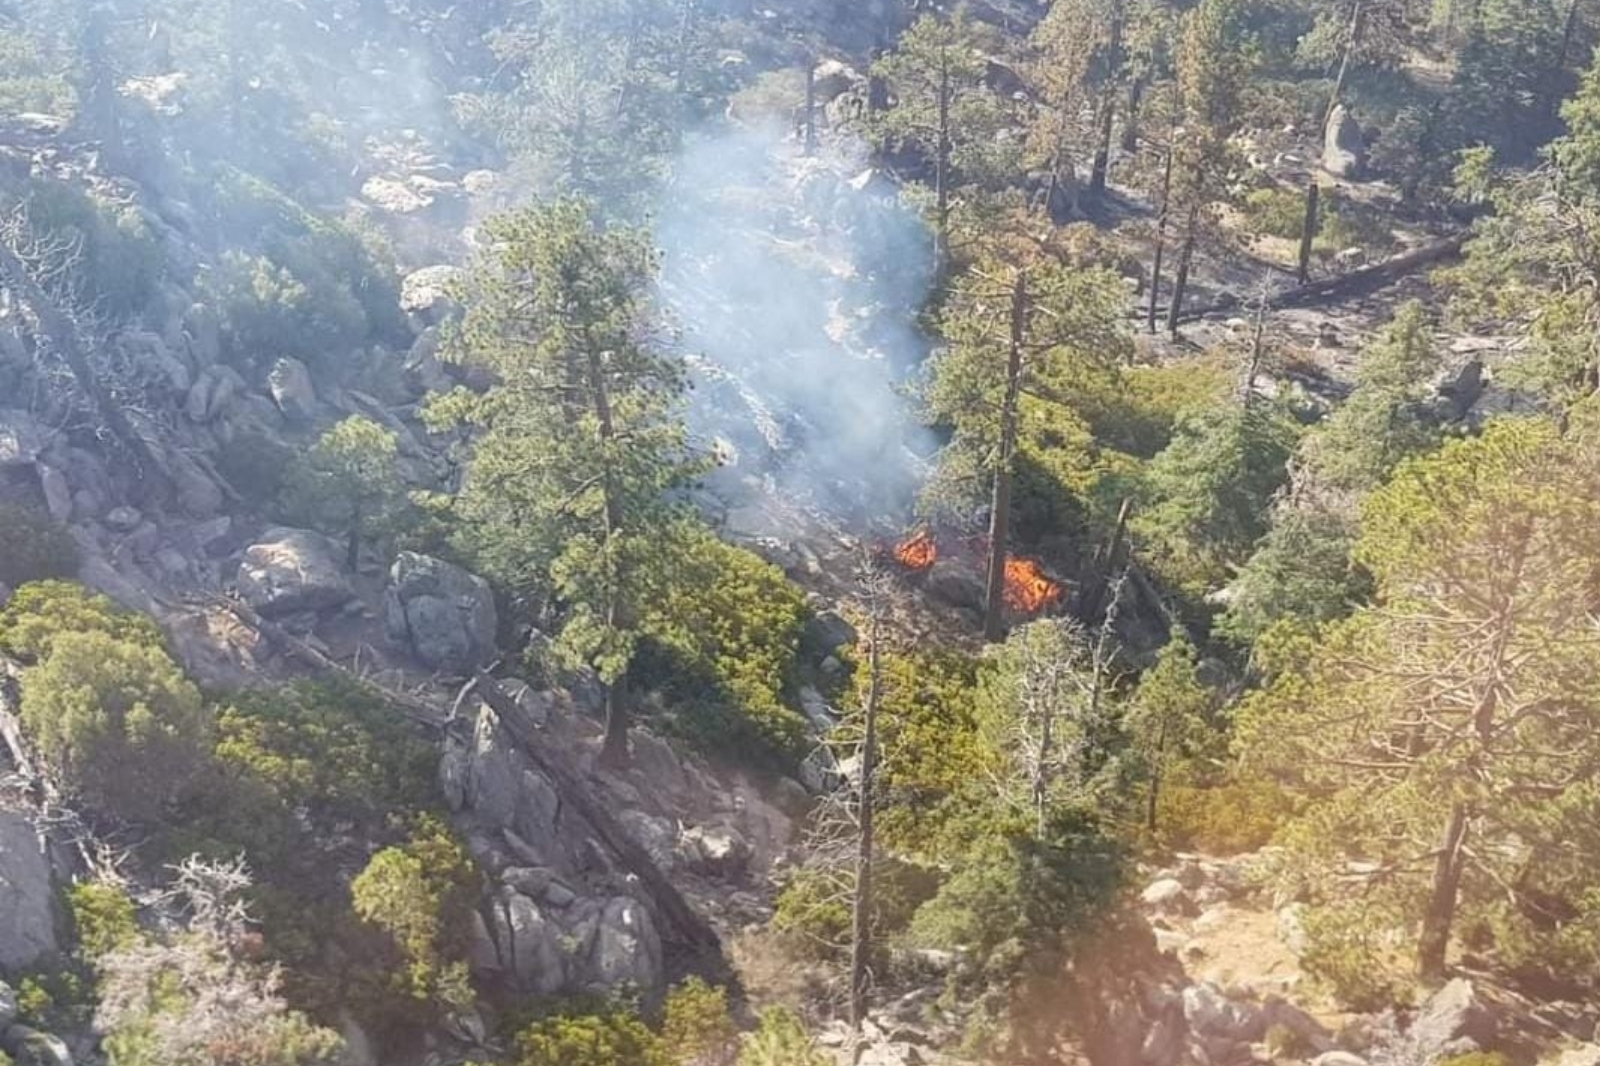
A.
pixel 692 533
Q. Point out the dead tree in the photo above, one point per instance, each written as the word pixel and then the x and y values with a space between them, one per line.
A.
pixel 1308 230
pixel 875 588
pixel 1000 504
pixel 1162 221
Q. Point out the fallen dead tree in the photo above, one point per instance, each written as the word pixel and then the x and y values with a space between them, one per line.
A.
pixel 1357 282
pixel 692 931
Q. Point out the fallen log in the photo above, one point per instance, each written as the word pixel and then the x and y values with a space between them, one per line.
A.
pixel 692 930
pixel 1357 282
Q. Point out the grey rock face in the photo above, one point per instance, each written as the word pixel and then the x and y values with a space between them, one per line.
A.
pixel 627 951
pixel 1453 1020
pixel 443 614
pixel 1343 150
pixel 293 570
pixel 21 439
pixel 30 1047
pixel 292 390
pixel 27 897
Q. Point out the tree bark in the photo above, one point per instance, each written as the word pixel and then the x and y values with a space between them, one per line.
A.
pixel 861 905
pixel 942 169
pixel 1308 230
pixel 1153 797
pixel 1434 941
pixel 1161 236
pixel 1130 121
pixel 614 752
pixel 1181 282
pixel 1000 504
pixel 1352 40
pixel 1107 115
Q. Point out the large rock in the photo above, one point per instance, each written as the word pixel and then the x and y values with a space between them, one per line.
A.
pixel 529 944
pixel 1586 1055
pixel 1343 149
pixel 27 897
pixel 955 584
pixel 30 1047
pixel 293 570
pixel 1211 1014
pixel 627 952
pixel 443 614
pixel 1454 1020
pixel 213 392
pixel 21 439
pixel 292 390
pixel 426 292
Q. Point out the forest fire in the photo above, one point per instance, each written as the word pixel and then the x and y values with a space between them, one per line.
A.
pixel 918 552
pixel 1028 591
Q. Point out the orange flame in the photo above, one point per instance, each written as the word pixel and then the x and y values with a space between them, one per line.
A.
pixel 917 552
pixel 1028 591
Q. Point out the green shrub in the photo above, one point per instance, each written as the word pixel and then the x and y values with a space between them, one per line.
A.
pixel 1345 954
pixel 1229 818
pixel 39 613
pixel 421 894
pixel 813 911
pixel 120 257
pixel 1275 212
pixel 329 747
pixel 103 917
pixel 118 721
pixel 780 1040
pixel 696 1029
pixel 723 632
pixel 269 311
pixel 348 484
pixel 29 81
pixel 610 1039
pixel 37 547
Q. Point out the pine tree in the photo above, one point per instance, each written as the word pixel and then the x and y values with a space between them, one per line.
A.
pixel 567 496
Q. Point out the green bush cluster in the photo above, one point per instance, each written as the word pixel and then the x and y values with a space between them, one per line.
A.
pixel 1228 818
pixel 107 708
pixel 1275 212
pixel 103 918
pixel 694 1028
pixel 121 259
pixel 37 547
pixel 723 632
pixel 29 82
pixel 310 287
pixel 39 613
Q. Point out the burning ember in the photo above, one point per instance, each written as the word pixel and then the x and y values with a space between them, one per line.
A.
pixel 1028 591
pixel 918 552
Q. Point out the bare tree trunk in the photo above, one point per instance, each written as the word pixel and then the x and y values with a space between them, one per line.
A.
pixel 942 169
pixel 810 136
pixel 1162 220
pixel 1181 281
pixel 614 751
pixel 1434 941
pixel 1308 230
pixel 1352 41
pixel 1000 505
pixel 1107 112
pixel 1258 347
pixel 1130 121
pixel 861 904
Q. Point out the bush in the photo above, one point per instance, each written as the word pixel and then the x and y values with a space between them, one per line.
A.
pixel 118 721
pixel 696 1029
pixel 813 910
pixel 37 547
pixel 29 81
pixel 38 614
pixel 1225 819
pixel 103 918
pixel 610 1039
pixel 1275 212
pixel 422 896
pixel 269 311
pixel 1345 955
pixel 348 484
pixel 120 257
pixel 723 632
pixel 780 1040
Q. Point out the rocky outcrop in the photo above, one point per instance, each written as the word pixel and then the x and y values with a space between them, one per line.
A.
pixel 27 895
pixel 1453 1021
pixel 292 390
pixel 30 1047
pixel 565 915
pixel 21 439
pixel 441 614
pixel 293 570
pixel 1344 148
